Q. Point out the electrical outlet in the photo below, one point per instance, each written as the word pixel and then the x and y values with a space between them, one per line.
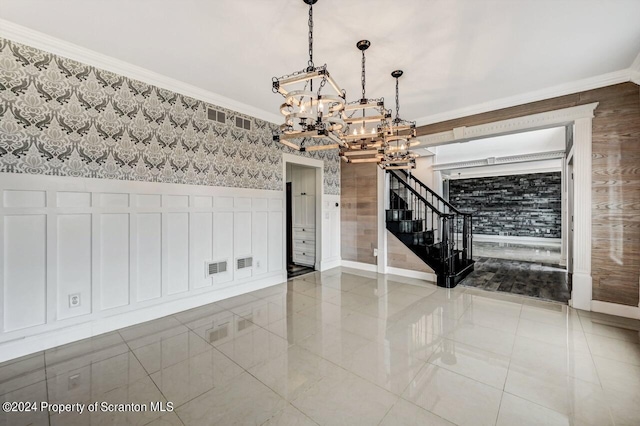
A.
pixel 257 264
pixel 74 300
pixel 375 252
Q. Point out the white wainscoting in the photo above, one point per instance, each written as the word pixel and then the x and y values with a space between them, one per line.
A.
pixel 131 252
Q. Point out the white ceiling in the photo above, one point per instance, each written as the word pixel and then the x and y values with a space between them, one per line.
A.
pixel 455 54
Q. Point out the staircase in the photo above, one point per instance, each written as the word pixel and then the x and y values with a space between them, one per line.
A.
pixel 433 229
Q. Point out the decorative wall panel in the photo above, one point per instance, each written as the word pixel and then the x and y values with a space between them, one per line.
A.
pixel 64 118
pixel 518 205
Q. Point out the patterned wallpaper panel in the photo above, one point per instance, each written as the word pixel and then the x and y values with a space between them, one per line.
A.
pixel 64 118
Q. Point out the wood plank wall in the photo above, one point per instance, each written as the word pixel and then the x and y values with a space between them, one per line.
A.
pixel 358 215
pixel 616 182
pixel 400 256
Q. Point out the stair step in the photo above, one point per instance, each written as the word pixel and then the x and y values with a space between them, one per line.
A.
pixel 405 226
pixel 422 238
pixel 399 214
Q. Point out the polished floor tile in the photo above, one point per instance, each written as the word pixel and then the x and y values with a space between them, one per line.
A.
pixel 454 397
pixel 345 347
pixel 345 399
pixel 519 411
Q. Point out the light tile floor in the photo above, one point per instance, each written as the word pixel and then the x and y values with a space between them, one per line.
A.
pixel 345 347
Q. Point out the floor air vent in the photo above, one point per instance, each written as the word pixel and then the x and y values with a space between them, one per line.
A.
pixel 245 262
pixel 213 268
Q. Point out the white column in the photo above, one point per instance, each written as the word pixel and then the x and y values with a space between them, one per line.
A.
pixel 582 286
pixel 563 208
pixel 382 223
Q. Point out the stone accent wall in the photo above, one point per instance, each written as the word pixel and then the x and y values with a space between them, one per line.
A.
pixel 520 205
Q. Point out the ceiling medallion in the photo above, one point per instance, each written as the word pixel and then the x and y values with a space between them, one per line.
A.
pixel 309 114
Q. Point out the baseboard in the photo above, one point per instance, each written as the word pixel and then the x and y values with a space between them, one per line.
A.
pixel 330 264
pixel 512 239
pixel 359 265
pixel 49 339
pixel 615 309
pixel 427 276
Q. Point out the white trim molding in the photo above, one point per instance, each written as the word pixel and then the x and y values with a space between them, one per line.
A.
pixel 635 70
pixel 581 294
pixel 512 239
pixel 543 120
pixel 408 273
pixel 616 309
pixel 359 265
pixel 491 161
pixel 27 36
pixel 603 80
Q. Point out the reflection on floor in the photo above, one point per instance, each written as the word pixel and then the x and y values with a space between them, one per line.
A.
pixel 526 252
pixel 533 279
pixel 344 347
pixel 297 270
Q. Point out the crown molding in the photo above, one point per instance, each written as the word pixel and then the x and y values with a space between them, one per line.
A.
pixel 494 161
pixel 29 37
pixel 603 80
pixel 541 120
pixel 635 70
pixel 635 66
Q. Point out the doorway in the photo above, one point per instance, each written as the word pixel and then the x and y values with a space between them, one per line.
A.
pixel 301 204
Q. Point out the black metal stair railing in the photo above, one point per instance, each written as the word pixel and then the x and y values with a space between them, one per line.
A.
pixel 432 228
pixel 463 221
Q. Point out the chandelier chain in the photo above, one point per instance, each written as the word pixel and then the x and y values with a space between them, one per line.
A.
pixel 397 102
pixel 363 78
pixel 310 63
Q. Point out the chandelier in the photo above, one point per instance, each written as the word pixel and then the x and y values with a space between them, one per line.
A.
pixel 400 136
pixel 367 121
pixel 309 114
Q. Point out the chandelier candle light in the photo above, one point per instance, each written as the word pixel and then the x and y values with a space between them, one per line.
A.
pixel 311 115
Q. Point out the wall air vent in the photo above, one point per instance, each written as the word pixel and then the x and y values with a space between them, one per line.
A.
pixel 243 123
pixel 244 262
pixel 212 268
pixel 216 115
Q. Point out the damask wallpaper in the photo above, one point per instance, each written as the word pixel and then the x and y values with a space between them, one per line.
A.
pixel 64 118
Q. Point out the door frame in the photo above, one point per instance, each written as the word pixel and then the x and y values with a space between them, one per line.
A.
pixel 318 165
pixel 580 118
